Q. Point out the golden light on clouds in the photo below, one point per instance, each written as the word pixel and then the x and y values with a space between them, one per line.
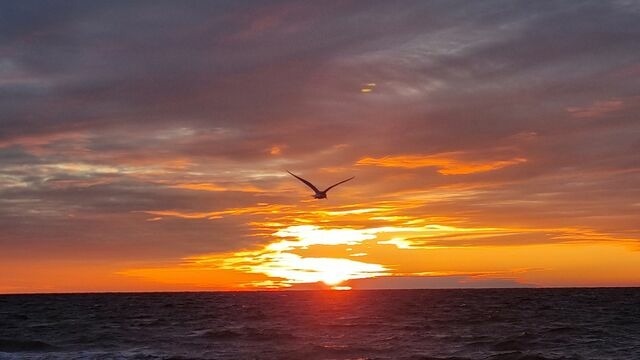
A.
pixel 260 208
pixel 289 269
pixel 388 243
pixel 446 163
pixel 280 266
pixel 278 261
pixel 216 187
pixel 367 88
pixel 308 235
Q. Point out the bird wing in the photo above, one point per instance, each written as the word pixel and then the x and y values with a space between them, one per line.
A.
pixel 305 182
pixel 336 184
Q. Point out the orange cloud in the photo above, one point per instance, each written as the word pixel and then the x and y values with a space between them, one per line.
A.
pixel 37 141
pixel 367 88
pixel 216 187
pixel 446 163
pixel 252 210
pixel 275 265
pixel 275 150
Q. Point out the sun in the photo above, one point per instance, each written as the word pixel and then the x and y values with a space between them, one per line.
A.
pixel 333 272
pixel 284 268
pixel 333 278
pixel 295 269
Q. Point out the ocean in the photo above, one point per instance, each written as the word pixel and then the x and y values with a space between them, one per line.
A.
pixel 496 324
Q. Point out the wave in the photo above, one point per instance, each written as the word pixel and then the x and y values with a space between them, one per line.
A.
pixel 221 334
pixel 249 334
pixel 562 330
pixel 518 355
pixel 515 355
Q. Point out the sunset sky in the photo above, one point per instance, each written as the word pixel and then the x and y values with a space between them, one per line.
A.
pixel 144 145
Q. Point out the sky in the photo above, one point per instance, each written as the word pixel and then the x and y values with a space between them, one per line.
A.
pixel 144 145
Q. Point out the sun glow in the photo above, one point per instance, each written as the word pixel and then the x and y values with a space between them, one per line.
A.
pixel 277 260
pixel 331 271
pixel 397 247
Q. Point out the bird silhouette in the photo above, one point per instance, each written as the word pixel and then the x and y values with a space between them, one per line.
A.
pixel 319 194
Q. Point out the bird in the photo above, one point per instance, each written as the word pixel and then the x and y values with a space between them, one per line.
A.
pixel 319 194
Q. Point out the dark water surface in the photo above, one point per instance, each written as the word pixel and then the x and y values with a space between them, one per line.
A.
pixel 525 324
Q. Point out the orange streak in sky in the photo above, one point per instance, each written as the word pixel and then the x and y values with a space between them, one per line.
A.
pixel 446 163
pixel 216 187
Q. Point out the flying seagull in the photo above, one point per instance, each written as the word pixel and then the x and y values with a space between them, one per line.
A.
pixel 318 194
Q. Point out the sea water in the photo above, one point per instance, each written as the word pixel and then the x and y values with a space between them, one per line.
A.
pixel 524 324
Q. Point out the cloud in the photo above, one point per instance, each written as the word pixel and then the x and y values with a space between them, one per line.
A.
pixel 260 208
pixel 596 109
pixel 446 163
pixel 216 187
